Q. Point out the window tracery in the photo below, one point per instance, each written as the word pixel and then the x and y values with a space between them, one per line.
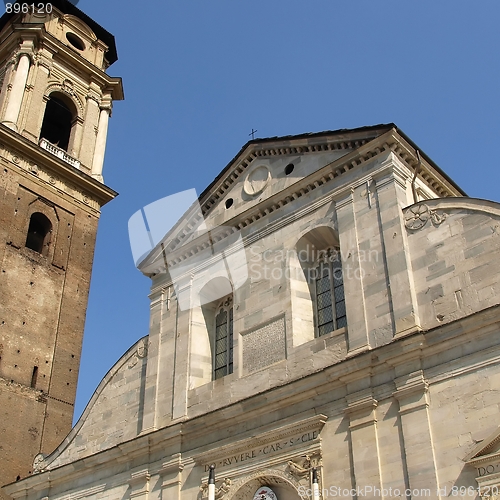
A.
pixel 223 351
pixel 329 292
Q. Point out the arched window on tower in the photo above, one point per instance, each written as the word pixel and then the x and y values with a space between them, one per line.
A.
pixel 58 120
pixel 329 292
pixel 38 237
pixel 223 351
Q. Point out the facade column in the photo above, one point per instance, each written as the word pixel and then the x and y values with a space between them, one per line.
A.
pixel 412 394
pixel 364 441
pixel 182 348
pixel 391 195
pixel 139 485
pixel 100 144
pixel 171 478
pixel 16 94
pixel 35 110
pixel 357 334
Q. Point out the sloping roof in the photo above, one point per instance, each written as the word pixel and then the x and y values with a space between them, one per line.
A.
pixel 356 138
pixel 376 129
pixel 68 8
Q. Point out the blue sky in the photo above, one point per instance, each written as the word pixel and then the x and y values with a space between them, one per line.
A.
pixel 200 74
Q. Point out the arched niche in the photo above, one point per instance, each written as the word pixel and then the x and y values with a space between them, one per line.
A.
pixel 215 295
pixel 39 232
pixel 309 249
pixel 59 120
pixel 41 228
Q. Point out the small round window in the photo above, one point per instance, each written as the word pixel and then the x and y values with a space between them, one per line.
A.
pixel 76 41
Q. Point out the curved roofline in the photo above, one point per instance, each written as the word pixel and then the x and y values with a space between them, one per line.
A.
pixel 98 391
pixel 476 204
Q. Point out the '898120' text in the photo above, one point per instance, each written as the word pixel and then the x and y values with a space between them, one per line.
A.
pixel 25 8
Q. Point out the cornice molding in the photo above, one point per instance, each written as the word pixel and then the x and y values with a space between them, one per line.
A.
pixel 367 151
pixel 327 378
pixel 279 200
pixel 309 424
pixel 51 170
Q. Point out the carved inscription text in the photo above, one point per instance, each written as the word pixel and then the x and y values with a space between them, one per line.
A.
pixel 275 447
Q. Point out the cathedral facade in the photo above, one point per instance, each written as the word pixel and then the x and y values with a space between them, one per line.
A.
pixel 327 312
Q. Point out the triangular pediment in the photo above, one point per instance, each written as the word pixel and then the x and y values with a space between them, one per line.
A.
pixel 264 176
pixel 486 450
pixel 268 174
pixel 264 167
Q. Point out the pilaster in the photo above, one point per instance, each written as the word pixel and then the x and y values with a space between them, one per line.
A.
pixel 353 275
pixel 171 478
pixel 390 192
pixel 152 381
pixel 182 348
pixel 90 127
pixel 139 485
pixel 361 410
pixel 412 395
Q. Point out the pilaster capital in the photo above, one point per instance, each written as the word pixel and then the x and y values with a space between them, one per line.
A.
pixel 348 199
pixel 93 96
pixel 23 51
pixel 360 408
pixel 170 471
pixel 411 392
pixel 18 54
pixel 139 483
pixel 104 106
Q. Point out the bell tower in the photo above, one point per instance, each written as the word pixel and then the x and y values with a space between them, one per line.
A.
pixel 55 102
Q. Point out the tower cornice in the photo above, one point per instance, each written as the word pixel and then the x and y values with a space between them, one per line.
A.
pixel 35 155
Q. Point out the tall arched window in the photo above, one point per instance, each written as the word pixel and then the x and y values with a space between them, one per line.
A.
pixel 58 121
pixel 223 351
pixel 330 300
pixel 38 237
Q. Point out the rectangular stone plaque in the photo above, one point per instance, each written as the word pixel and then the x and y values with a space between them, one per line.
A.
pixel 264 345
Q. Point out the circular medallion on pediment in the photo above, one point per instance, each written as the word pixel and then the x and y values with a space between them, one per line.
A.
pixel 265 493
pixel 257 179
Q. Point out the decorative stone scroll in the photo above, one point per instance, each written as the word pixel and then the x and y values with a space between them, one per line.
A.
pixel 39 463
pixel 246 486
pixel 416 217
pixel 140 353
